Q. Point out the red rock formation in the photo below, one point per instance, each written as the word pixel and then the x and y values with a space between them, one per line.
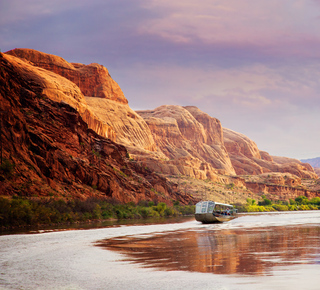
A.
pixel 93 80
pixel 317 171
pixel 170 139
pixel 280 192
pixel 240 145
pixel 103 96
pixel 131 130
pixel 60 89
pixel 190 140
pixel 247 159
pixel 51 151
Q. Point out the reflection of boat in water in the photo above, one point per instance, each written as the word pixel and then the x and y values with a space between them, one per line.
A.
pixel 214 212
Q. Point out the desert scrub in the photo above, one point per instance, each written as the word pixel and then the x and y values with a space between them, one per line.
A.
pixel 21 212
pixel 300 203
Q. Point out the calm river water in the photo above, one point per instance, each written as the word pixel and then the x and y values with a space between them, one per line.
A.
pixel 256 251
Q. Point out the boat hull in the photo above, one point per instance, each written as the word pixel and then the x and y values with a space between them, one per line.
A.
pixel 210 218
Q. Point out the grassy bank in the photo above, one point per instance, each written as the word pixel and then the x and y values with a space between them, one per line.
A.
pixel 19 212
pixel 266 205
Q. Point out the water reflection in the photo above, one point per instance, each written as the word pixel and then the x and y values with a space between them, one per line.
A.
pixel 241 251
pixel 92 225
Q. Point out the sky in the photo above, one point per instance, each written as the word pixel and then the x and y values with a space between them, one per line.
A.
pixel 254 65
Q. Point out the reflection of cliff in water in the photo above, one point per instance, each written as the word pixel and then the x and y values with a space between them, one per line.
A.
pixel 244 251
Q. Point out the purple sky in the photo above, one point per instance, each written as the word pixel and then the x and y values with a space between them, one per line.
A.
pixel 254 65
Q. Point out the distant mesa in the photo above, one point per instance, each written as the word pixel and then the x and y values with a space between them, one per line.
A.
pixel 314 162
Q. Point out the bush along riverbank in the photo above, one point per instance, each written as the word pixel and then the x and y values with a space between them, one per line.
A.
pixel 266 205
pixel 19 212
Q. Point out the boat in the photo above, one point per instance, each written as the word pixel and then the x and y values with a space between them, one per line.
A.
pixel 209 212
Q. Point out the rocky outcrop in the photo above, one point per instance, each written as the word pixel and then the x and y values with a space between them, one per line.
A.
pixel 317 171
pixel 48 150
pixel 247 159
pixel 171 140
pixel 103 96
pixel 190 140
pixel 280 192
pixel 60 89
pixel 131 130
pixel 93 80
pixel 279 186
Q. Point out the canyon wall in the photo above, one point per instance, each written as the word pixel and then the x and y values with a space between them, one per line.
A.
pixel 49 151
pixel 101 94
pixel 171 140
pixel 190 140
pixel 246 158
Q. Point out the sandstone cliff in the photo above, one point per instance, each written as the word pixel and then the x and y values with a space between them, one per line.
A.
pixel 103 96
pixel 59 89
pixel 317 171
pixel 246 158
pixel 190 140
pixel 48 150
pixel 171 140
pixel 93 80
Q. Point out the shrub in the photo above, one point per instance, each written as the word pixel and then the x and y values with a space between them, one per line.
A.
pixel 255 208
pixel 280 207
pixel 160 208
pixel 23 212
pixel 304 207
pixel 315 200
pixel 292 202
pixel 301 199
pixel 265 202
pixel 7 168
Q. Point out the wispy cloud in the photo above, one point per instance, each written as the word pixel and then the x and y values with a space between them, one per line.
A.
pixel 253 64
pixel 270 25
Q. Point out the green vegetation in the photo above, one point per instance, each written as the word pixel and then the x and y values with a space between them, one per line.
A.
pixel 19 212
pixel 6 168
pixel 300 203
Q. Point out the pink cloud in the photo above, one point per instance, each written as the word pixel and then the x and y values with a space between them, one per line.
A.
pixel 271 25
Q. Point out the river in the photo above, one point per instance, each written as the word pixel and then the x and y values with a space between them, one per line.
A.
pixel 254 251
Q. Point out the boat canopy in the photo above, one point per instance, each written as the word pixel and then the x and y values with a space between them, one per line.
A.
pixel 209 206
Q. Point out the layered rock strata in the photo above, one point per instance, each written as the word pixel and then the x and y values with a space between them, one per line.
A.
pixel 103 95
pixel 246 158
pixel 190 140
pixel 93 80
pixel 48 149
pixel 173 140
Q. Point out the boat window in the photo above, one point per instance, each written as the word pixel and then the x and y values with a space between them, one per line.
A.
pixel 210 207
pixel 204 207
pixel 198 207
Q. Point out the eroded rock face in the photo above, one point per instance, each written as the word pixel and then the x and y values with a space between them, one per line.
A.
pixel 317 171
pixel 190 140
pixel 60 89
pixel 247 159
pixel 240 145
pixel 195 145
pixel 169 139
pixel 93 80
pixel 112 118
pixel 131 130
pixel 52 151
